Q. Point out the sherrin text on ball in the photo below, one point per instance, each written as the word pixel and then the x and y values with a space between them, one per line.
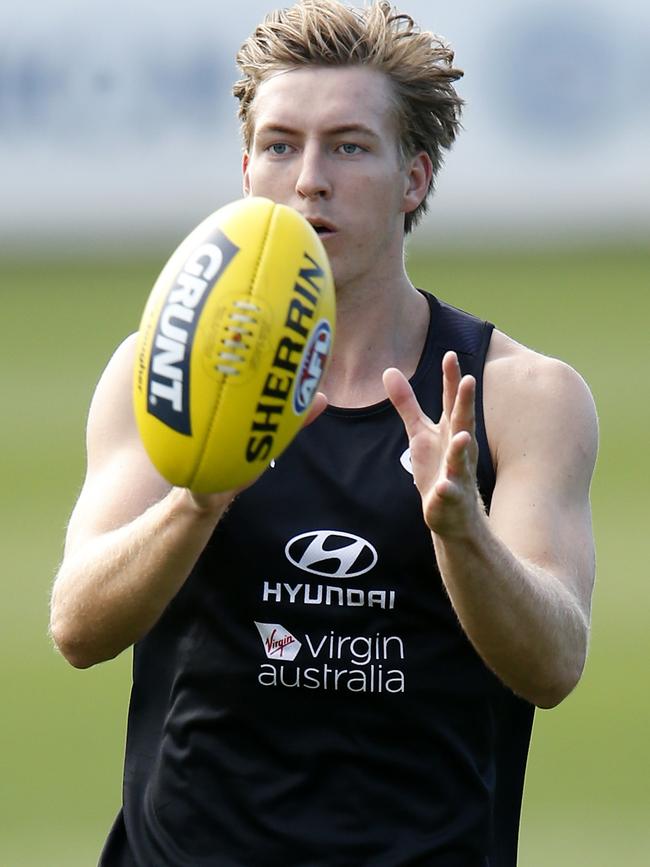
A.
pixel 232 346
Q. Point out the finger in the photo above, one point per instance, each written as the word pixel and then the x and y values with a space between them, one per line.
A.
pixel 318 406
pixel 456 476
pixel 463 416
pixel 457 457
pixel 401 395
pixel 450 381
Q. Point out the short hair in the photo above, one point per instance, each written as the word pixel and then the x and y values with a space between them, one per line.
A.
pixel 418 64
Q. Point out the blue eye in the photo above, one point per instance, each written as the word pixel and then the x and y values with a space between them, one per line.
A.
pixel 350 149
pixel 280 149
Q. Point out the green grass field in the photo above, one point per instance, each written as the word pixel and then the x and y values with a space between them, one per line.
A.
pixel 587 797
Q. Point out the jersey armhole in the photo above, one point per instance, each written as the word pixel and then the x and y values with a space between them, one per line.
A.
pixel 485 470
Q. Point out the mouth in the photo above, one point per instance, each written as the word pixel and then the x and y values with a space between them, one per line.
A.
pixel 323 228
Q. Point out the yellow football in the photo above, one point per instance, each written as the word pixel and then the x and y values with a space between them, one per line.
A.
pixel 233 343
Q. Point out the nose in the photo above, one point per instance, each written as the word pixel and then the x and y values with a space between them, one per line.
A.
pixel 313 180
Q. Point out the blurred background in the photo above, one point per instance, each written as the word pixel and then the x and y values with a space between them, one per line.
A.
pixel 117 135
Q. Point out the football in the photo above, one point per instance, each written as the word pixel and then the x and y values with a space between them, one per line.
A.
pixel 232 345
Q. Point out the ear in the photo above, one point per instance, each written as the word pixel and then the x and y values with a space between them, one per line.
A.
pixel 245 164
pixel 419 171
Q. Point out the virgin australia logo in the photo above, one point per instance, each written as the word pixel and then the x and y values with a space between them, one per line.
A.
pixel 331 553
pixel 278 642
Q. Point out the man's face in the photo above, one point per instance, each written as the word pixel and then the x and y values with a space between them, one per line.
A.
pixel 325 142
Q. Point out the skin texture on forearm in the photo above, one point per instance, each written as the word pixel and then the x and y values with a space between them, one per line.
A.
pixel 524 623
pixel 520 581
pixel 131 541
pixel 114 586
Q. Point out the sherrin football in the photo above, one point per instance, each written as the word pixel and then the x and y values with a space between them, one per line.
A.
pixel 233 343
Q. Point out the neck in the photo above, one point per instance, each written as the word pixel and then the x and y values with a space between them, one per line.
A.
pixel 377 326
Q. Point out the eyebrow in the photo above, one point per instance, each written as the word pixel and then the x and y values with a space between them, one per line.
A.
pixel 342 129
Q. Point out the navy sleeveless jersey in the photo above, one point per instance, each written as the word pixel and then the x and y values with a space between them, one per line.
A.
pixel 308 699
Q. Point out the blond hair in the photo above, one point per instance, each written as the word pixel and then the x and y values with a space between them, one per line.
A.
pixel 418 64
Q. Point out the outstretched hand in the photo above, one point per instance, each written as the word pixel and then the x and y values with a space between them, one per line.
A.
pixel 444 455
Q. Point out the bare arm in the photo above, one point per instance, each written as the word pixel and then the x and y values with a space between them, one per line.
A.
pixel 520 581
pixel 132 540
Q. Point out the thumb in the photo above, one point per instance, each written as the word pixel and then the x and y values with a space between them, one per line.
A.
pixel 318 406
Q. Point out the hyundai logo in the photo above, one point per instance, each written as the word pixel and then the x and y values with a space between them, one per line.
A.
pixel 331 553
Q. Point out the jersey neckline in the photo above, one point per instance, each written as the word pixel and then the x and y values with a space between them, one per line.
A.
pixel 422 369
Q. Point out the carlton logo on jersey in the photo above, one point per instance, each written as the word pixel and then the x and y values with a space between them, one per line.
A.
pixel 168 383
pixel 405 461
pixel 331 553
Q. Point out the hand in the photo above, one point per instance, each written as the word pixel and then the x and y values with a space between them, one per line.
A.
pixel 444 456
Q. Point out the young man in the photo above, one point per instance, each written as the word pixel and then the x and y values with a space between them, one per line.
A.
pixel 337 666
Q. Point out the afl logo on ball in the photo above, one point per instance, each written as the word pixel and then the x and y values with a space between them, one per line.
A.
pixel 312 366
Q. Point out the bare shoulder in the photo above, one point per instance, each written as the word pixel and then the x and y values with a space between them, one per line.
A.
pixel 118 370
pixel 112 438
pixel 535 400
pixel 120 480
pixel 111 419
pixel 511 365
pixel 114 448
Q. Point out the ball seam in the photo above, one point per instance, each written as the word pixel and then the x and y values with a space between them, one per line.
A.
pixel 219 397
